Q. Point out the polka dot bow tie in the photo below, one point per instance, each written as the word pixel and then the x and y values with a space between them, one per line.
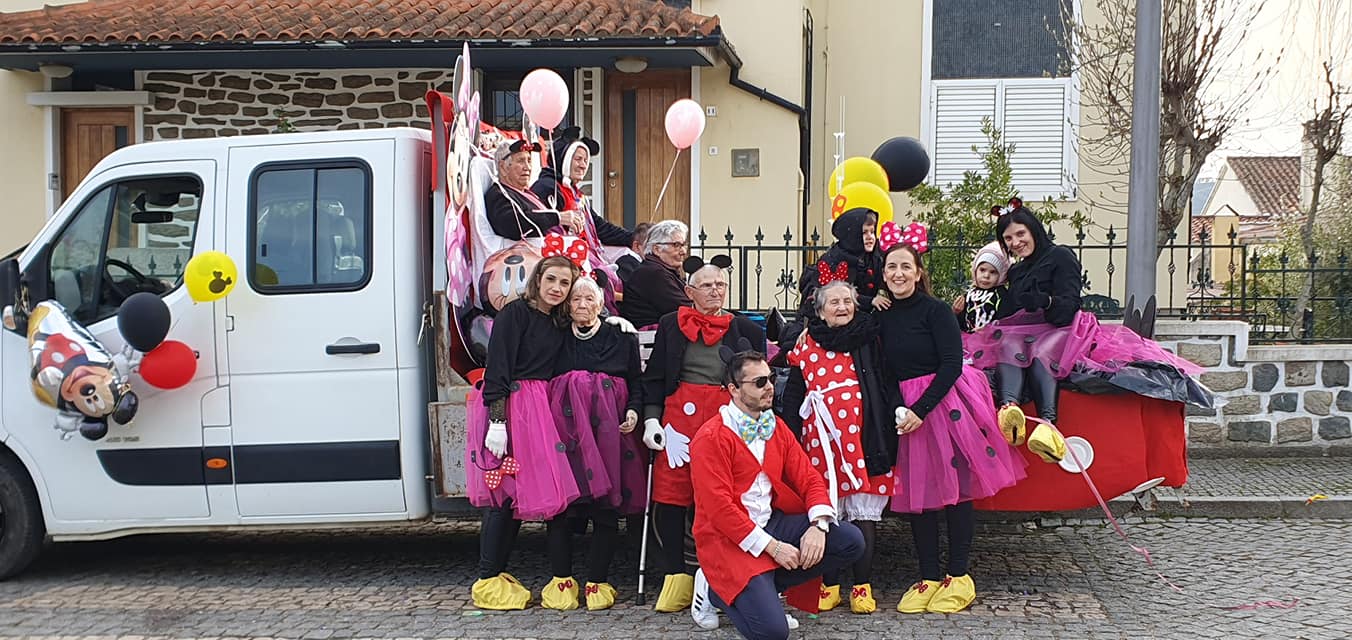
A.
pixel 753 429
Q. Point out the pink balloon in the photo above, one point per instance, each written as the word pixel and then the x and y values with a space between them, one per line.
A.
pixel 544 97
pixel 685 123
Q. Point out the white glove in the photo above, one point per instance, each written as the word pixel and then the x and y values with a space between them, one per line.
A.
pixel 496 439
pixel 625 326
pixel 678 448
pixel 652 434
pixel 900 415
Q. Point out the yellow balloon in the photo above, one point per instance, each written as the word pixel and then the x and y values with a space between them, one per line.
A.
pixel 857 169
pixel 210 275
pixel 866 195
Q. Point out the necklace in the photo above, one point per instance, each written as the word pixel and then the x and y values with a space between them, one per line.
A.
pixel 586 334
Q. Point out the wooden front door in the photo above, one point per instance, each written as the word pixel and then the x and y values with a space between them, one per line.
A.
pixel 87 135
pixel 638 154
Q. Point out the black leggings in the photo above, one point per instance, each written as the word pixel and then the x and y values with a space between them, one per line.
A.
pixel 672 525
pixel 605 530
pixel 1041 386
pixel 961 529
pixel 497 536
pixel 863 567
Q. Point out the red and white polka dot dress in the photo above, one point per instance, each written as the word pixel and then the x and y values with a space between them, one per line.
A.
pixel 832 384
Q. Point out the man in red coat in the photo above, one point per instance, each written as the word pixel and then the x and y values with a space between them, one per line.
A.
pixel 763 518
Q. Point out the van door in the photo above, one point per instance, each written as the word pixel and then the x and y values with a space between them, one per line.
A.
pixel 128 229
pixel 314 387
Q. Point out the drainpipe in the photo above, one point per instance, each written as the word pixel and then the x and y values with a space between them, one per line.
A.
pixel 803 112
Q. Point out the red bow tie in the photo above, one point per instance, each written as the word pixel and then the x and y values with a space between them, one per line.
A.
pixel 693 324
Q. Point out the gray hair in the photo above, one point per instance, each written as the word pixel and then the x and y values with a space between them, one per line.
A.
pixel 820 294
pixel 588 283
pixel 690 279
pixel 663 232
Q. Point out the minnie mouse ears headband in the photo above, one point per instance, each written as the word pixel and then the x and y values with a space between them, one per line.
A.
pixel 1014 205
pixel 915 235
pixel 727 353
pixel 695 263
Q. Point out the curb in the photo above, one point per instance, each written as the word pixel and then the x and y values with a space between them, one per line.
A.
pixel 1170 506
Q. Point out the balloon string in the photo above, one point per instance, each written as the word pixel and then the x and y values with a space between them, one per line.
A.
pixel 666 182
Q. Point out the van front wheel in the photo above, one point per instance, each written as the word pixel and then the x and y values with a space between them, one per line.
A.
pixel 21 527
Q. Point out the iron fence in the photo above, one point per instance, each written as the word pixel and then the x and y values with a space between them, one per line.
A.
pixel 1199 279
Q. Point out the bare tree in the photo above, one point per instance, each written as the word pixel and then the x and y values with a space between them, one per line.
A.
pixel 1323 137
pixel 1201 43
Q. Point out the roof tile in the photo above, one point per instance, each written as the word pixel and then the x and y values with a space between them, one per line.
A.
pixel 168 21
pixel 1273 182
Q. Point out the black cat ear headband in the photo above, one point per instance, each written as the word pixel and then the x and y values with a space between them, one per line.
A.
pixel 695 263
pixel 728 353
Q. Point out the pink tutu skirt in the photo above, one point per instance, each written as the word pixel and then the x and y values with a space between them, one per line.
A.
pixel 543 484
pixel 1024 337
pixel 606 464
pixel 958 453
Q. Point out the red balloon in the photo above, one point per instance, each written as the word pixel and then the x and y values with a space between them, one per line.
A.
pixel 169 366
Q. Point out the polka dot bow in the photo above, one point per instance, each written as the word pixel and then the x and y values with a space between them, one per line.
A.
pixel 889 235
pixel 574 249
pixel 917 236
pixel 826 274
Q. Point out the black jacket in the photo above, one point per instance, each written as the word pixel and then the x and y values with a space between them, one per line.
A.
pixel 880 400
pixel 652 291
pixel 1050 280
pixel 864 267
pixel 511 214
pixel 664 363
pixel 609 234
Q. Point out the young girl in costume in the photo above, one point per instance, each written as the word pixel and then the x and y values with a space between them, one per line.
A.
pixel 949 451
pixel 978 305
pixel 517 466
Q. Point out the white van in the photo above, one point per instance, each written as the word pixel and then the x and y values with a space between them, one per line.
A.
pixel 317 400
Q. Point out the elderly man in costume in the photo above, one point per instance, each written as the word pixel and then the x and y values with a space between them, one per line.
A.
pixel 763 516
pixel 513 211
pixel 686 369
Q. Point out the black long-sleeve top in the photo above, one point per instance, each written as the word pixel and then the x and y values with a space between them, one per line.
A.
pixel 920 337
pixel 653 291
pixel 547 189
pixel 511 213
pixel 524 345
pixel 611 352
pixel 1052 272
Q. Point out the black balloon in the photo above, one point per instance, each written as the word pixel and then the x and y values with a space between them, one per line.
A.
pixel 93 429
pixel 143 320
pixel 905 161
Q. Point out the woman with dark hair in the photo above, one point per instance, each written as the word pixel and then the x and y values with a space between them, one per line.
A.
pixel 845 422
pixel 595 400
pixel 1041 335
pixel 517 466
pixel 949 451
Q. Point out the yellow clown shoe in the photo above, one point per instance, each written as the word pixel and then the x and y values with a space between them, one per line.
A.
pixel 600 596
pixel 829 598
pixel 918 597
pixel 560 594
pixel 1013 424
pixel 861 599
pixel 953 595
pixel 500 593
pixel 1047 443
pixel 678 589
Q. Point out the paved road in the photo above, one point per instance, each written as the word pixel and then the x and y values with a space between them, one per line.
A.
pixel 1062 582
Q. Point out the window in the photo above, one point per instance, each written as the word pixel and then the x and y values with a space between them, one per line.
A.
pixel 131 236
pixel 1014 81
pixel 501 106
pixel 311 227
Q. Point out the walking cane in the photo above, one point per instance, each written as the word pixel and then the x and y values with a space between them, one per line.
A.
pixel 643 547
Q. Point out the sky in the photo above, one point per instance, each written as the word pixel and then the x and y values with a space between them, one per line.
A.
pixel 1302 33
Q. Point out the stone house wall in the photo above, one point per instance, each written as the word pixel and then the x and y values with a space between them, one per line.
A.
pixel 204 104
pixel 1282 396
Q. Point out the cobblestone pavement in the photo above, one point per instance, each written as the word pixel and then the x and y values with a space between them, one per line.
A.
pixel 1062 582
pixel 1269 477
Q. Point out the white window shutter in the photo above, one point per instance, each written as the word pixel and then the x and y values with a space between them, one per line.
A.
pixel 1035 123
pixel 958 112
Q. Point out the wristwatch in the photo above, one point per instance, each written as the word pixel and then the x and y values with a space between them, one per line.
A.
pixel 821 524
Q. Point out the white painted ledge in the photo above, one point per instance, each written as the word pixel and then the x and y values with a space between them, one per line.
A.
pixel 89 98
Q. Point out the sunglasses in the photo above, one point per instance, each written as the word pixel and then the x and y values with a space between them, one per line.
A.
pixel 759 381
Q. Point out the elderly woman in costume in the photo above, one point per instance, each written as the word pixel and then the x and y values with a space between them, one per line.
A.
pixel 656 288
pixel 517 467
pixel 764 522
pixel 558 188
pixel 595 400
pixel 846 423
pixel 1041 335
pixel 949 451
pixel 683 389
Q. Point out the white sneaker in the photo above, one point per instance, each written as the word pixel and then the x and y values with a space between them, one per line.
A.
pixel 793 622
pixel 702 608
